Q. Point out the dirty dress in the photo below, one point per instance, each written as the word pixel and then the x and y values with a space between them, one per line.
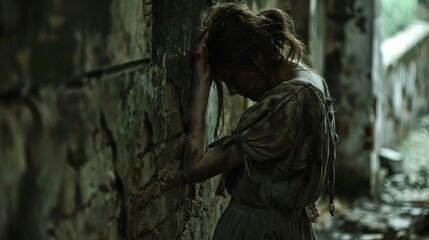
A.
pixel 288 140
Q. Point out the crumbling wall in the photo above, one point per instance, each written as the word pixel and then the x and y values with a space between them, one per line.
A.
pixel 349 62
pixel 93 104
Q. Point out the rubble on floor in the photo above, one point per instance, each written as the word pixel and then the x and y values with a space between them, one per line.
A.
pixel 377 221
pixel 403 209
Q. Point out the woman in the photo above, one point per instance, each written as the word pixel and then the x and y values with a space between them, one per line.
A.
pixel 279 158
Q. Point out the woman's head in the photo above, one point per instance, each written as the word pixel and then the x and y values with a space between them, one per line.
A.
pixel 247 48
pixel 237 36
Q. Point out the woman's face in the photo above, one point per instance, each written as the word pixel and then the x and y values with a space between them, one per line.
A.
pixel 244 81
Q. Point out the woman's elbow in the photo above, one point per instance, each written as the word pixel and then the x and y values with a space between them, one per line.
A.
pixel 189 177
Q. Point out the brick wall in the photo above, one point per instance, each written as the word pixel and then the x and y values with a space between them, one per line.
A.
pixel 93 101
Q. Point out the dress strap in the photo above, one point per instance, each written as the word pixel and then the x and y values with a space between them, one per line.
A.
pixel 333 138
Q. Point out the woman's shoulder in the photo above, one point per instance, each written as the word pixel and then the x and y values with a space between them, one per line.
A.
pixel 299 88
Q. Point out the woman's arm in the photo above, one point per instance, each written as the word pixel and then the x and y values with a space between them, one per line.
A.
pixel 212 163
pixel 198 165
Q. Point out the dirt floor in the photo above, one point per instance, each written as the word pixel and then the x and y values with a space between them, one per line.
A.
pixel 402 212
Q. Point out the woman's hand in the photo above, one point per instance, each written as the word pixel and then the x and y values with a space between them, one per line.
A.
pixel 201 69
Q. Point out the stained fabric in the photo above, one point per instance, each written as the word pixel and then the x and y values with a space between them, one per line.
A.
pixel 288 140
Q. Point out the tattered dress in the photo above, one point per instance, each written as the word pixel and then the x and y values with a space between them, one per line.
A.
pixel 288 140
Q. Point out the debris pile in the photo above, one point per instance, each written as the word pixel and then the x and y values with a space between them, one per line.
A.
pixel 377 221
pixel 403 210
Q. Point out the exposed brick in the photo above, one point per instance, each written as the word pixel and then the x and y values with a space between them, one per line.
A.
pixel 171 227
pixel 144 170
pixel 170 171
pixel 158 209
pixel 167 150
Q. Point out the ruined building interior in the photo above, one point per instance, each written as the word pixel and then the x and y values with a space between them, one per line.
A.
pixel 94 97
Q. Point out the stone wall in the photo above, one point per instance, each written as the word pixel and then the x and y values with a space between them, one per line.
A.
pixel 94 101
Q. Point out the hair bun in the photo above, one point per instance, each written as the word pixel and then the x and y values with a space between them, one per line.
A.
pixel 278 24
pixel 281 30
